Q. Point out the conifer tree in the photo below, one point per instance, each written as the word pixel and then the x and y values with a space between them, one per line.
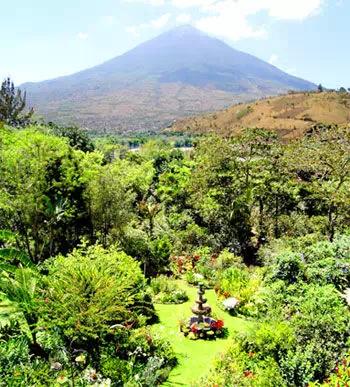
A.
pixel 13 104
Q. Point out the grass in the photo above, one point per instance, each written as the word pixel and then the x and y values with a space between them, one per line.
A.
pixel 283 114
pixel 195 356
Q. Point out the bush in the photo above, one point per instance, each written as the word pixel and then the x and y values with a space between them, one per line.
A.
pixel 166 291
pixel 340 375
pixel 137 358
pixel 241 284
pixel 93 289
pixel 320 322
pixel 226 259
pixel 237 367
pixel 329 271
pixel 289 267
pixel 316 262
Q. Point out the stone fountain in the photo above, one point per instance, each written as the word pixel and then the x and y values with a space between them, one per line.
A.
pixel 201 325
pixel 200 308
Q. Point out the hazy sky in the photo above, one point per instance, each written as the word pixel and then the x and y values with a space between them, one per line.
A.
pixel 41 39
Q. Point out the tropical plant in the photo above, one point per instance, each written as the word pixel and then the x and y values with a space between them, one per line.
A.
pixel 18 293
pixel 91 290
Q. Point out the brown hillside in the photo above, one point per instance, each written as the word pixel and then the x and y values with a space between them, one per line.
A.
pixel 289 115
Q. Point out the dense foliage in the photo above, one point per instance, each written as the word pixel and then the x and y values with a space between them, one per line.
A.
pixel 303 325
pixel 89 226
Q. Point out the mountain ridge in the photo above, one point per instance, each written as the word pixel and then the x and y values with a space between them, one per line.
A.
pixel 290 116
pixel 159 81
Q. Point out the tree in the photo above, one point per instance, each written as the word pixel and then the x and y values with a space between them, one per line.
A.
pixel 321 164
pixel 13 104
pixel 111 198
pixel 320 88
pixel 42 186
pixel 78 138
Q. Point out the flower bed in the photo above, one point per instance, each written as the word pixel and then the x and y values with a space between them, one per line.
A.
pixel 209 329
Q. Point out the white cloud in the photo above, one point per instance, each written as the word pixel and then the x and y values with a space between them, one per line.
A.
pixel 184 18
pixel 156 3
pixel 291 70
pixel 192 3
pixel 231 19
pixel 273 59
pixel 133 30
pixel 293 10
pixel 82 35
pixel 161 22
pixel 155 24
pixel 280 9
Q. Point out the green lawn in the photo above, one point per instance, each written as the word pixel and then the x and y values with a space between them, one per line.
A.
pixel 195 357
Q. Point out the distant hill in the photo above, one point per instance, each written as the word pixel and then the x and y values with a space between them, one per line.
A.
pixel 178 74
pixel 289 115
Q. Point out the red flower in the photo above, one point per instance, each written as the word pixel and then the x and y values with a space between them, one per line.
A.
pixel 248 374
pixel 217 324
pixel 194 328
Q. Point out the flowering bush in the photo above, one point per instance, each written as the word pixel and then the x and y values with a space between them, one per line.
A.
pixel 340 377
pixel 229 304
pixel 194 278
pixel 240 284
pixel 207 330
pixel 181 264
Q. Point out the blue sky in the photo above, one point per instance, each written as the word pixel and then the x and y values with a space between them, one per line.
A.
pixel 42 39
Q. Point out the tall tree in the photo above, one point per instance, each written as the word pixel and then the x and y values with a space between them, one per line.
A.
pixel 13 105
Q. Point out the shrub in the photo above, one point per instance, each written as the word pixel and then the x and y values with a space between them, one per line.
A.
pixel 194 278
pixel 239 283
pixel 340 375
pixel 289 267
pixel 313 262
pixel 226 259
pixel 329 271
pixel 93 289
pixel 237 367
pixel 322 323
pixel 137 358
pixel 166 291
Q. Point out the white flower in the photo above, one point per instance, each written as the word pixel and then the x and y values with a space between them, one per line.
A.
pixel 230 303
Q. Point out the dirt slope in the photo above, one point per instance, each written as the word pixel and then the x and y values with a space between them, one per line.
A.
pixel 289 115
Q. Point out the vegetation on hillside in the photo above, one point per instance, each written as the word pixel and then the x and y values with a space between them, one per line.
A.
pixel 290 116
pixel 97 241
